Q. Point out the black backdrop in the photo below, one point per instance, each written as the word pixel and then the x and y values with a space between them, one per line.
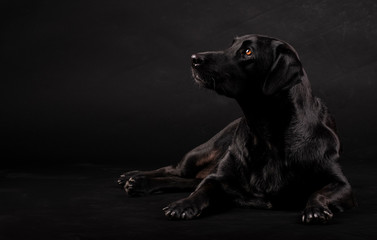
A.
pixel 109 81
pixel 92 88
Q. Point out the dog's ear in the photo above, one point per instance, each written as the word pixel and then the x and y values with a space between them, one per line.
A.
pixel 285 72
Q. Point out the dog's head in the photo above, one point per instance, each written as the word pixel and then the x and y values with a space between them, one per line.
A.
pixel 252 64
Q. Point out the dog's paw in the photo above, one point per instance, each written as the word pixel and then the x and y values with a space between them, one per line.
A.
pixel 122 180
pixel 184 209
pixel 317 214
pixel 137 186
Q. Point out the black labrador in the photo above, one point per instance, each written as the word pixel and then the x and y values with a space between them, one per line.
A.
pixel 282 153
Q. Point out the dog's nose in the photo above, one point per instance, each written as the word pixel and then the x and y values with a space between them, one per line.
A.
pixel 196 60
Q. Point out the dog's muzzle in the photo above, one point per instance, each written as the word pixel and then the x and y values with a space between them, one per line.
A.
pixel 196 63
pixel 197 60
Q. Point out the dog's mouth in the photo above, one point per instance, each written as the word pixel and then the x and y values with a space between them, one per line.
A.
pixel 210 80
pixel 203 80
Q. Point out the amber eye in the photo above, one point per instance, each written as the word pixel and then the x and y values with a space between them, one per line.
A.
pixel 248 52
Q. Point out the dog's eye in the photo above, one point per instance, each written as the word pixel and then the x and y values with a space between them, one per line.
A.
pixel 248 52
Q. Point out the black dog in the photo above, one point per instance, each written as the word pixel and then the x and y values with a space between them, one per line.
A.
pixel 283 152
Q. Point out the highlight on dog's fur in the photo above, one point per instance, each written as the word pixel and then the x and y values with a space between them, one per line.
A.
pixel 282 153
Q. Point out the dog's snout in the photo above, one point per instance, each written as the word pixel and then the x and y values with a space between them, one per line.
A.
pixel 196 60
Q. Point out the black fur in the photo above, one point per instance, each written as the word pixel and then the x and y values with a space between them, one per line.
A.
pixel 282 153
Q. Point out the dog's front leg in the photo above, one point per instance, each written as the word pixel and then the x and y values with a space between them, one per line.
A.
pixel 336 195
pixel 192 207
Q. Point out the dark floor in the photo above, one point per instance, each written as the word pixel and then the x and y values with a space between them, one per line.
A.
pixel 83 202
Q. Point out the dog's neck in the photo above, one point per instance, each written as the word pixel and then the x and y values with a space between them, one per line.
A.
pixel 264 114
pixel 271 115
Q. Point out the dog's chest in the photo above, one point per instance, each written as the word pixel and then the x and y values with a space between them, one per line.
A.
pixel 269 173
pixel 268 179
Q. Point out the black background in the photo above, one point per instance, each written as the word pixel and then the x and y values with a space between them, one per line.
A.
pixel 109 82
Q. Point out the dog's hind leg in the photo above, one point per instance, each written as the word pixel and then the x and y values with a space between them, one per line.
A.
pixel 161 172
pixel 141 184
